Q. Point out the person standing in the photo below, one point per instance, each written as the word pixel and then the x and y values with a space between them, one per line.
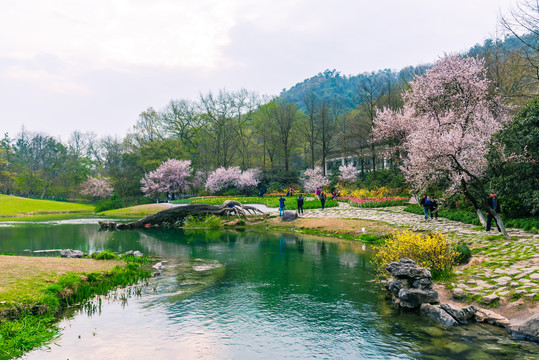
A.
pixel 281 205
pixel 318 191
pixel 323 199
pixel 300 204
pixel 434 208
pixel 494 203
pixel 425 201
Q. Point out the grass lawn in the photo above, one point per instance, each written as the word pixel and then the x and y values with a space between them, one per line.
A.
pixel 136 211
pixel 13 206
pixel 23 277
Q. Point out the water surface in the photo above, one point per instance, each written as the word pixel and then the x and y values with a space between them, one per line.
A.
pixel 246 295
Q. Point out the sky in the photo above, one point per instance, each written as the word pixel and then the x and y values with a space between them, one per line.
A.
pixel 95 65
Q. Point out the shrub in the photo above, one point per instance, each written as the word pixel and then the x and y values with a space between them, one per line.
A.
pixel 210 221
pixel 429 251
pixel 114 202
pixel 462 254
pixel 105 255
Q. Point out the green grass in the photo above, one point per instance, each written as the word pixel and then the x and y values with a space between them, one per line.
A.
pixel 268 200
pixel 12 206
pixel 135 211
pixel 32 323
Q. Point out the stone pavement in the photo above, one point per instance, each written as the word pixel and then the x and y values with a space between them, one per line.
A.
pixel 506 270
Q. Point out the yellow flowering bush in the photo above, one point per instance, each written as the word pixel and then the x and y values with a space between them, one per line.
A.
pixel 430 251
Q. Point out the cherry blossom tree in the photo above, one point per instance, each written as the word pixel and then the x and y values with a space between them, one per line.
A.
pixel 349 172
pixel 445 129
pixel 232 177
pixel 99 187
pixel 172 176
pixel 313 179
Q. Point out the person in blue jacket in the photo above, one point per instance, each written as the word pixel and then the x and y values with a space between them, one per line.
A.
pixel 281 205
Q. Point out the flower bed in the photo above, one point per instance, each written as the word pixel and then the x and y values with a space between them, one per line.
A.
pixel 372 202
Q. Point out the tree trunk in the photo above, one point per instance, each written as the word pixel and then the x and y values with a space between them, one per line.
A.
pixel 171 217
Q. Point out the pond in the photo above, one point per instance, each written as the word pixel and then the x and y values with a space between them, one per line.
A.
pixel 246 295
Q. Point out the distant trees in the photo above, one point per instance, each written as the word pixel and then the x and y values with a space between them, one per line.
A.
pixel 447 123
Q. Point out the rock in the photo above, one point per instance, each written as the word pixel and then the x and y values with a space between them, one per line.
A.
pixel 534 276
pixel 514 284
pixel 489 299
pixel 461 315
pixel 289 216
pixel 68 253
pixel 158 266
pixel 134 253
pixel 406 268
pixel 413 298
pixel 437 313
pixel 528 330
pixel 503 281
pixel 458 293
pixel 423 284
pixel 492 318
pixel 395 285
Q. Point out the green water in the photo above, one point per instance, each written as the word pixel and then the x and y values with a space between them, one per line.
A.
pixel 246 295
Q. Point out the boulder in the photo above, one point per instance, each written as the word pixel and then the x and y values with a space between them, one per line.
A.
pixel 68 253
pixel 138 254
pixel 463 316
pixel 492 318
pixel 459 293
pixel 395 285
pixel 423 284
pixel 406 268
pixel 438 313
pixel 528 330
pixel 289 216
pixel 413 298
pixel 489 299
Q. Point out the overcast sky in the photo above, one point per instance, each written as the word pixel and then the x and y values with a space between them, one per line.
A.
pixel 94 65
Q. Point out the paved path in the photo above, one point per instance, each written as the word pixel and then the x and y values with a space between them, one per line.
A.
pixel 508 269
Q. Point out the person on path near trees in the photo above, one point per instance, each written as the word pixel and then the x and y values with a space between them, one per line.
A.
pixel 300 204
pixel 434 208
pixel 323 199
pixel 425 201
pixel 281 205
pixel 494 203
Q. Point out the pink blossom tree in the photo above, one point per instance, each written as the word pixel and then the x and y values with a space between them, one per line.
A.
pixel 349 172
pixel 171 177
pixel 98 187
pixel 445 129
pixel 233 177
pixel 313 179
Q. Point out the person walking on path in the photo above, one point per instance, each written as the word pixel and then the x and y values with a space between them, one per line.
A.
pixel 494 203
pixel 425 201
pixel 281 205
pixel 300 204
pixel 434 208
pixel 323 199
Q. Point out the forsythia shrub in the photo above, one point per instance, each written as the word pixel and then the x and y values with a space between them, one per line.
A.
pixel 430 251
